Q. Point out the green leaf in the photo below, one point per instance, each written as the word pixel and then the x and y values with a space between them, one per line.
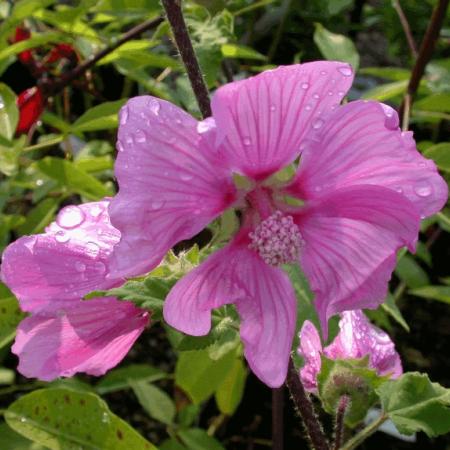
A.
pixel 198 439
pixel 172 444
pixel 351 377
pixel 9 113
pixel 100 117
pixel 10 315
pixel 7 376
pixel 391 308
pixel 241 51
pixel 390 73
pixel 122 377
pixel 436 102
pixel 95 164
pixel 67 419
pixel 409 271
pixel 386 91
pixel 70 176
pixel 199 375
pixel 336 47
pixel 414 403
pixel 155 401
pixel 440 293
pixel 229 393
pixel 12 441
pixel 39 217
pixel 440 154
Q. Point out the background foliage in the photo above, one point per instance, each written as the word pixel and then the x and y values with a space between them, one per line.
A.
pixel 174 391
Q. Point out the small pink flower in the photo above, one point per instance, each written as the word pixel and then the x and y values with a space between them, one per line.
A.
pixel 50 273
pixel 357 338
pixel 361 186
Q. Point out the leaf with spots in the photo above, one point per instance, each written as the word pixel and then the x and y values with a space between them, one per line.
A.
pixel 66 419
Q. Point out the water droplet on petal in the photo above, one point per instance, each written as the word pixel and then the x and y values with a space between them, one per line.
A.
pixel 316 96
pixel 99 267
pixel 272 108
pixel 96 210
pixel 330 93
pixel 123 115
pixel 345 70
pixel 93 248
pixel 399 189
pixel 423 189
pixel 140 136
pixel 205 125
pixel 186 176
pixel 80 267
pixel 323 72
pixel 305 86
pixel 317 124
pixel 119 146
pixel 154 106
pixel 247 141
pixel 157 204
pixel 70 217
pixel 62 237
pixel 129 139
pixel 308 107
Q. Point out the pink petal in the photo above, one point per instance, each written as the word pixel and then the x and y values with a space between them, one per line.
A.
pixel 310 349
pixel 170 186
pixel 358 338
pixel 352 236
pixel 261 121
pixel 263 296
pixel 52 270
pixel 361 143
pixel 92 337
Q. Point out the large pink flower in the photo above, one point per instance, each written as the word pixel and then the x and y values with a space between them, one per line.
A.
pixel 50 273
pixel 357 338
pixel 361 188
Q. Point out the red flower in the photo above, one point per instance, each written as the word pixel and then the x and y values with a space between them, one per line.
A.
pixel 23 34
pixel 31 104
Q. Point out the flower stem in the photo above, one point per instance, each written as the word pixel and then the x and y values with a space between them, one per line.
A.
pixel 52 87
pixel 406 28
pixel 277 418
pixel 305 408
pixel 426 51
pixel 360 437
pixel 339 425
pixel 180 32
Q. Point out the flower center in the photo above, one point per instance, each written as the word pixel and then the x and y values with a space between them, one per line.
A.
pixel 277 240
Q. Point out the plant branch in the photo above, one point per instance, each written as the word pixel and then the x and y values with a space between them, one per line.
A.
pixel 356 440
pixel 426 51
pixel 305 408
pixel 339 426
pixel 180 33
pixel 406 28
pixel 51 87
pixel 278 418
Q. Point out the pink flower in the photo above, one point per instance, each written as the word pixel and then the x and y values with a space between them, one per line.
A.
pixel 357 338
pixel 361 188
pixel 50 273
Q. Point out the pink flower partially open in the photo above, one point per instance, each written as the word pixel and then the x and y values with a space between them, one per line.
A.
pixel 361 188
pixel 357 338
pixel 50 273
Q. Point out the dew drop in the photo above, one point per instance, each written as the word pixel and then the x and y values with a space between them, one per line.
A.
pixel 341 93
pixel 62 237
pixel 423 189
pixel 124 115
pixel 140 136
pixel 308 107
pixel 119 146
pixel 323 72
pixel 39 182
pixel 345 70
pixel 399 189
pixel 316 96
pixel 317 124
pixel 247 141
pixel 186 177
pixel 99 267
pixel 205 125
pixel 105 418
pixel 157 204
pixel 22 419
pixel 305 86
pixel 154 106
pixel 272 108
pixel 70 217
pixel 129 140
pixel 330 93
pixel 80 267
pixel 96 210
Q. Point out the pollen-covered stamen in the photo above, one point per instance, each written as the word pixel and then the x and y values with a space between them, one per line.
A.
pixel 277 239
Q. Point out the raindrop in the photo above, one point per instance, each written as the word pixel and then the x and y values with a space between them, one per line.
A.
pixel 399 189
pixel 423 189
pixel 80 267
pixel 308 107
pixel 96 210
pixel 345 70
pixel 140 136
pixel 330 93
pixel 99 267
pixel 316 96
pixel 186 177
pixel 105 417
pixel 119 146
pixel 341 93
pixel 247 141
pixel 317 124
pixel 323 72
pixel 23 419
pixel 205 125
pixel 39 182
pixel 62 237
pixel 318 188
pixel 154 106
pixel 157 204
pixel 305 86
pixel 70 217
pixel 272 108
pixel 129 140
pixel 124 115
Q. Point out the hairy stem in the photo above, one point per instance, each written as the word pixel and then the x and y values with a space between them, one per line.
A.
pixel 52 87
pixel 426 51
pixel 278 418
pixel 339 426
pixel 406 28
pixel 180 33
pixel 360 437
pixel 305 408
